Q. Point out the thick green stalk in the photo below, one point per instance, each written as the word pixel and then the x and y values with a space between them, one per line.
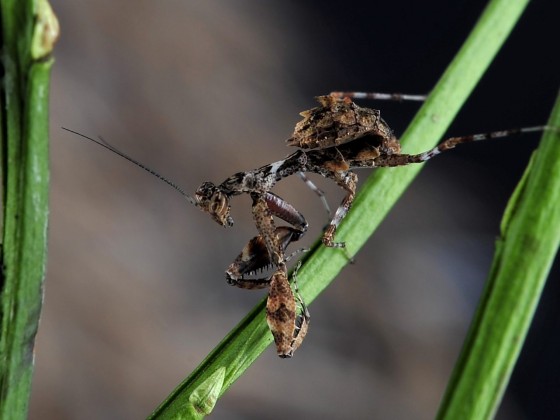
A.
pixel 244 344
pixel 29 30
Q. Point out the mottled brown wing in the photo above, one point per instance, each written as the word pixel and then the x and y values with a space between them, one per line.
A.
pixel 336 121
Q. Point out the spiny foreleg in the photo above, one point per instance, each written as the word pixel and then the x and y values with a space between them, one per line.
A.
pixel 255 258
pixel 266 227
pixel 267 205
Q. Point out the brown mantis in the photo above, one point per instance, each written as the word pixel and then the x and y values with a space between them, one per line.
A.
pixel 333 139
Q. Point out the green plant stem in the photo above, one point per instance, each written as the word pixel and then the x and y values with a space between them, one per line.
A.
pixel 29 30
pixel 530 236
pixel 244 344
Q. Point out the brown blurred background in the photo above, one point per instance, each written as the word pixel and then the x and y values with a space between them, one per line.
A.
pixel 135 294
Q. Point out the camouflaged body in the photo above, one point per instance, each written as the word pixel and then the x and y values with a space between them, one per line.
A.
pixel 335 122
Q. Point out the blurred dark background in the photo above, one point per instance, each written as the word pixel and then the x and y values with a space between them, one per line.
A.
pixel 135 292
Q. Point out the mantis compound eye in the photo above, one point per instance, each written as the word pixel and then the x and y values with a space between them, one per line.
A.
pixel 214 202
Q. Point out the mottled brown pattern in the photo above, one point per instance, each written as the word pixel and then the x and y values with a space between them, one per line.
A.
pixel 342 136
pixel 336 121
pixel 281 313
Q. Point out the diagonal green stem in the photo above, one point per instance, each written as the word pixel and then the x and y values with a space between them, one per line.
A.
pixel 196 395
pixel 530 236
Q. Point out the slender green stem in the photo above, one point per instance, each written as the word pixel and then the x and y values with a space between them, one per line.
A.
pixel 380 192
pixel 530 236
pixel 28 33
